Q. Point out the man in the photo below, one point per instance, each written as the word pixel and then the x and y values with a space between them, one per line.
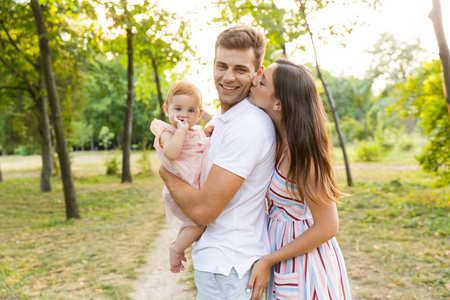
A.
pixel 240 160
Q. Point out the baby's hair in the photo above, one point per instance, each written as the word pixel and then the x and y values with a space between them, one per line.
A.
pixel 183 87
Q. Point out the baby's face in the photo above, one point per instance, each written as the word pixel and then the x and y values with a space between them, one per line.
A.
pixel 184 107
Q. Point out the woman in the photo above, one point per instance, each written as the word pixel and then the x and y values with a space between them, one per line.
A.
pixel 306 261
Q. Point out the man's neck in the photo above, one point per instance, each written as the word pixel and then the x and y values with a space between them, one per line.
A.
pixel 226 107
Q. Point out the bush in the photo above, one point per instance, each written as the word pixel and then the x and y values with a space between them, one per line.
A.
pixel 405 144
pixel 435 157
pixel 145 165
pixel 25 150
pixel 112 165
pixel 352 130
pixel 369 151
pixel 386 146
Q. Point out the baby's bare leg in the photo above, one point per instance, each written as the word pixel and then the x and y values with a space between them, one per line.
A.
pixel 185 238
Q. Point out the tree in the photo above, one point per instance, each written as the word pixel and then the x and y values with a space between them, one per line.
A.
pixel 264 14
pixel 127 18
pixel 393 60
pixel 164 49
pixel 436 17
pixel 105 83
pixel 126 146
pixel 421 97
pixel 283 27
pixel 72 210
pixel 328 94
pixel 148 39
pixel 17 57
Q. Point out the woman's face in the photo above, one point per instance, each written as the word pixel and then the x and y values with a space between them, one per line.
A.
pixel 262 90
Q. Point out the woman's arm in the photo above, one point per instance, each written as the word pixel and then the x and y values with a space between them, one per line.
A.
pixel 325 227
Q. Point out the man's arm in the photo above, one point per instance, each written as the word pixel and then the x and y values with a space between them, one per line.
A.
pixel 205 205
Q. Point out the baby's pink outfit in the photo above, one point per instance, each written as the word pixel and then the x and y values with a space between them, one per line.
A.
pixel 189 166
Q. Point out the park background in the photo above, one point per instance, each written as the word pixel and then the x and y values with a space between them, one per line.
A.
pixel 80 205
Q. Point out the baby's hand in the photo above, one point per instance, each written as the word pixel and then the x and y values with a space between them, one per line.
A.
pixel 209 130
pixel 182 123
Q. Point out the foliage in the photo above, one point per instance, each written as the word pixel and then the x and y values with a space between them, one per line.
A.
pixel 283 26
pixel 266 16
pixel 393 60
pixel 70 37
pixel 105 136
pixel 422 96
pixel 435 157
pixel 27 149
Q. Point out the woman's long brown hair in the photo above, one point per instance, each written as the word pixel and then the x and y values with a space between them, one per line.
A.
pixel 306 122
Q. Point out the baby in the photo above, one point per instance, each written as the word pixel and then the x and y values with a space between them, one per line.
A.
pixel 182 147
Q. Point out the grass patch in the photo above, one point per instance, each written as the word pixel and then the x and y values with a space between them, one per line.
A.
pixel 394 235
pixel 394 232
pixel 44 256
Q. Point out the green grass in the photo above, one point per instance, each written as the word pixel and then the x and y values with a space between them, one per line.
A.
pixel 43 256
pixel 394 233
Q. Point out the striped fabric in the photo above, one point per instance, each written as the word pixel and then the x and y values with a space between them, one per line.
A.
pixel 319 274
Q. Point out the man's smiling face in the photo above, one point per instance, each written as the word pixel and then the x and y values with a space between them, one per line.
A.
pixel 234 71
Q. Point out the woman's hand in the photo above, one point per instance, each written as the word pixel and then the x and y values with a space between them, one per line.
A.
pixel 259 278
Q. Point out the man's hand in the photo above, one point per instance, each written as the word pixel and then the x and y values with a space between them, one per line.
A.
pixel 163 172
pixel 259 278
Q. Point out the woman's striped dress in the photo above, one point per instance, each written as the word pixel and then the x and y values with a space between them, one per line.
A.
pixel 319 274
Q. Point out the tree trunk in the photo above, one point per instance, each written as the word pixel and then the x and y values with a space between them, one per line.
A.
pixel 46 143
pixel 158 88
pixel 336 122
pixel 126 145
pixel 330 101
pixel 91 142
pixel 436 17
pixel 70 198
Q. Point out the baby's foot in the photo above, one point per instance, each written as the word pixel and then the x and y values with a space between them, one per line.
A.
pixel 175 260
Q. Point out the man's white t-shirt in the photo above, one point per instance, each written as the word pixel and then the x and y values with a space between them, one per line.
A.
pixel 244 143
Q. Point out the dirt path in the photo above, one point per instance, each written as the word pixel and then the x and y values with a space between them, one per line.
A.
pixel 157 282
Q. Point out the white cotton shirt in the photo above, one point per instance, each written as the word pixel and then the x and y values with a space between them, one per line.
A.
pixel 243 142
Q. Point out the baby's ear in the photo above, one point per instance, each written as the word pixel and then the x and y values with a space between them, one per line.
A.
pixel 201 113
pixel 166 109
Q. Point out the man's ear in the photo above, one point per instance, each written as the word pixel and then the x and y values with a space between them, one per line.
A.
pixel 260 71
pixel 166 109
